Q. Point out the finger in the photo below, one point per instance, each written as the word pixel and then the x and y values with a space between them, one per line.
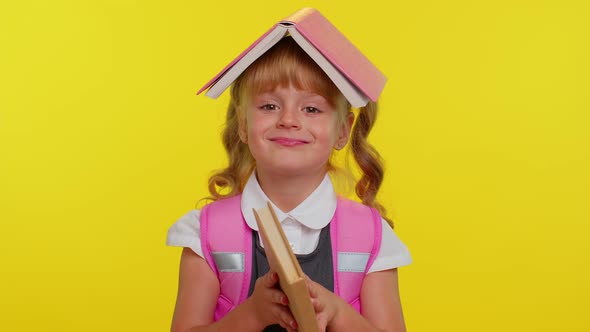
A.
pixel 287 318
pixel 288 328
pixel 312 289
pixel 270 279
pixel 278 297
pixel 322 321
pixel 312 286
pixel 318 306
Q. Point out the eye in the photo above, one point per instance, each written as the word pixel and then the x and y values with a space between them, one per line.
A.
pixel 269 107
pixel 311 110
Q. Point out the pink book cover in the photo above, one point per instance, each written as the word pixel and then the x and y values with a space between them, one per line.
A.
pixel 334 46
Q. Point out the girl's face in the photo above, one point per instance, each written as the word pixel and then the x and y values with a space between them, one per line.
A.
pixel 291 131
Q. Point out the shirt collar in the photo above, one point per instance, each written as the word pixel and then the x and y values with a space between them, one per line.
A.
pixel 314 212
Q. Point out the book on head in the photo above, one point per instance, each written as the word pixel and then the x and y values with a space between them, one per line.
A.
pixel 282 260
pixel 352 73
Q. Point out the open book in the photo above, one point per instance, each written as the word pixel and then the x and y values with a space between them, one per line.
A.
pixel 282 260
pixel 352 73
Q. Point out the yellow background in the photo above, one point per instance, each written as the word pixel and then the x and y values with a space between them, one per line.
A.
pixel 484 128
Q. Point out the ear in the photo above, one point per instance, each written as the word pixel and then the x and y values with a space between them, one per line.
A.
pixel 344 131
pixel 243 132
pixel 243 129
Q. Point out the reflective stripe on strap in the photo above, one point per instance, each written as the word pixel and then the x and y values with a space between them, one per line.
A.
pixel 352 261
pixel 229 261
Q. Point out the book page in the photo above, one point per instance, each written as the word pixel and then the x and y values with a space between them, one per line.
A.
pixel 245 61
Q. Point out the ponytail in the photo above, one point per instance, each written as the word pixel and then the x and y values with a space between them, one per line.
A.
pixel 368 159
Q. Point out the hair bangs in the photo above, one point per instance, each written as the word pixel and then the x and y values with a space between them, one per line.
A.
pixel 287 64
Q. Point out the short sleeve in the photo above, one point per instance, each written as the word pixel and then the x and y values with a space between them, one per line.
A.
pixel 186 232
pixel 393 252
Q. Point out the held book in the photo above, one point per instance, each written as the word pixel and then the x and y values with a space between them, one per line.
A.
pixel 282 260
pixel 352 73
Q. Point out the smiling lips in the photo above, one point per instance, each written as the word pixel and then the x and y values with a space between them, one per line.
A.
pixel 286 141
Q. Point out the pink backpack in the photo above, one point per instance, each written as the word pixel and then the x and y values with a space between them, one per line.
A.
pixel 226 241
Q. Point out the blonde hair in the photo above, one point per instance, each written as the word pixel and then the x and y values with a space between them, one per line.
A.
pixel 286 63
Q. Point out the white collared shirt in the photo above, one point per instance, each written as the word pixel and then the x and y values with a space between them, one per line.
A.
pixel 302 225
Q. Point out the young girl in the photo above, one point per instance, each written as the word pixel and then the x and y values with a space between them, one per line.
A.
pixel 284 121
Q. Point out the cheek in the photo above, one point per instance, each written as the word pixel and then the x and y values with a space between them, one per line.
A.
pixel 257 127
pixel 249 122
pixel 330 132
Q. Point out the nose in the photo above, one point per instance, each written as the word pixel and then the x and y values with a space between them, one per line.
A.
pixel 288 118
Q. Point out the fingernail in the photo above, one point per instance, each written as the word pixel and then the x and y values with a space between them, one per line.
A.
pixel 294 324
pixel 285 300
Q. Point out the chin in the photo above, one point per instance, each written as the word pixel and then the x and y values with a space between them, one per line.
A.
pixel 290 170
pixel 287 168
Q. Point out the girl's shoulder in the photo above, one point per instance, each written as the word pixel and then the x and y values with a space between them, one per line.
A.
pixel 186 232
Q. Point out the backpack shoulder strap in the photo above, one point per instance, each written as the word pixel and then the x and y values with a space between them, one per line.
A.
pixel 226 241
pixel 356 239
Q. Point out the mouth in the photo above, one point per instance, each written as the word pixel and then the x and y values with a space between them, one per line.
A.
pixel 287 141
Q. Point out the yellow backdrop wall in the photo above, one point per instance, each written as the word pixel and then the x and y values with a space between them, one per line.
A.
pixel 484 128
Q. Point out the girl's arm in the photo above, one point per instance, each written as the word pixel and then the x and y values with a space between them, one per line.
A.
pixel 198 290
pixel 380 306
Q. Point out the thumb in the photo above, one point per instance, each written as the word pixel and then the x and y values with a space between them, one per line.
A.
pixel 311 287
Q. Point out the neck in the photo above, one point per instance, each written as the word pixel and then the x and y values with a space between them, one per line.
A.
pixel 288 191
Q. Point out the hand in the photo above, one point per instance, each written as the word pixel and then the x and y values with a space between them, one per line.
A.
pixel 326 303
pixel 270 304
